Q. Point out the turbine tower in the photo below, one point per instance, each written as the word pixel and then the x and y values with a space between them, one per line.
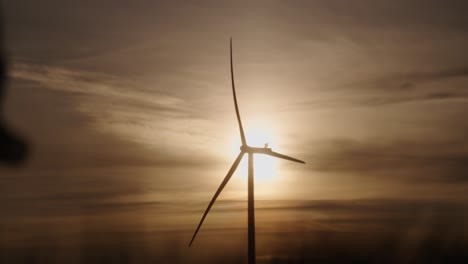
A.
pixel 244 149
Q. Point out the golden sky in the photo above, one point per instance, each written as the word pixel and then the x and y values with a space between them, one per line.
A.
pixel 129 113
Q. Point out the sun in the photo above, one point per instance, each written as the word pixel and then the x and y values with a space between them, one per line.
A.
pixel 265 167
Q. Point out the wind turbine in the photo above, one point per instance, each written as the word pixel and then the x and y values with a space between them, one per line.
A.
pixel 244 149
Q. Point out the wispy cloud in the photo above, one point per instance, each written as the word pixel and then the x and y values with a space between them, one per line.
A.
pixel 416 160
pixel 116 105
pixel 97 84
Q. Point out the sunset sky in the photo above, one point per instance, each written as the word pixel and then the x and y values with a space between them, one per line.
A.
pixel 128 111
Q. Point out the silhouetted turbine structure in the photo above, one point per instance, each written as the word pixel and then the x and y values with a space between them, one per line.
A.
pixel 243 150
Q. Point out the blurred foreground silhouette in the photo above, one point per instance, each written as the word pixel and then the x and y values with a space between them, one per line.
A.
pixel 12 147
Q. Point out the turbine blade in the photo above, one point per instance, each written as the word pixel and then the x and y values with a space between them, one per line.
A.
pixel 241 129
pixel 220 188
pixel 281 156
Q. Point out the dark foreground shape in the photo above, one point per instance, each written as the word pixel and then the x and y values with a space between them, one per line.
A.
pixel 13 149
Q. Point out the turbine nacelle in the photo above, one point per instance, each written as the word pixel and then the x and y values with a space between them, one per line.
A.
pixel 249 149
pixel 266 151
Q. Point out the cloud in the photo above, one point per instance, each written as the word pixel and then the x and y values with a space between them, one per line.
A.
pixel 437 75
pixel 97 84
pixel 398 88
pixel 421 160
pixel 352 208
pixel 116 106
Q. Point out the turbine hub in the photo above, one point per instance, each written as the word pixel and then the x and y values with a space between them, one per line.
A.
pixel 244 148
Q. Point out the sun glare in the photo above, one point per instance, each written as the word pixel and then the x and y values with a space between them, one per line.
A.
pixel 265 167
